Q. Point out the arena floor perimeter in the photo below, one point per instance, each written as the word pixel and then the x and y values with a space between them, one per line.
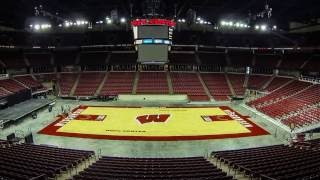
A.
pixel 141 148
pixel 154 123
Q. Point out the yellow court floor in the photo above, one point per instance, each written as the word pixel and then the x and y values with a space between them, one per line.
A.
pixel 154 122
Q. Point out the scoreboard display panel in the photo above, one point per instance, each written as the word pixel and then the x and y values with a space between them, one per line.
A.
pixel 152 53
pixel 160 32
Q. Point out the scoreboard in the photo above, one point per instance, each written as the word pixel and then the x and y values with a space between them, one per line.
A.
pixel 153 39
pixel 160 32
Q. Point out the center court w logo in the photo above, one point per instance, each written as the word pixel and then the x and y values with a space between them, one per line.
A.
pixel 158 118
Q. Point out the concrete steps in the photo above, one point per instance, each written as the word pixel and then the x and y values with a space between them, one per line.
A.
pixel 229 84
pixel 75 85
pixel 304 63
pixel 227 169
pixel 135 83
pixel 21 83
pixel 205 87
pixel 284 85
pixel 268 82
pixel 102 84
pixel 246 80
pixel 169 80
pixel 76 169
pixel 4 89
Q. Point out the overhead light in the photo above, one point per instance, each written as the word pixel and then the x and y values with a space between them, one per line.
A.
pixel 37 26
pixel 80 22
pixel 263 27
pixel 67 24
pixel 224 23
pixel 45 26
pixel 233 24
pixel 181 20
pixel 109 21
pixel 123 20
pixel 274 27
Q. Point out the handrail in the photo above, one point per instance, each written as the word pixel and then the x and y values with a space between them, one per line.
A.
pixel 4 76
pixel 310 79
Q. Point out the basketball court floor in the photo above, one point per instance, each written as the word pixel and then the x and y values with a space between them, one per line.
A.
pixel 153 123
pixel 113 129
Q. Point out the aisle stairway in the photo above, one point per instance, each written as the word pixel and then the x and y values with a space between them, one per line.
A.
pixel 135 82
pixel 229 84
pixel 74 87
pixel 102 84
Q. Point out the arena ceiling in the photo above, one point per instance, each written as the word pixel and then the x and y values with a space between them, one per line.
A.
pixel 13 13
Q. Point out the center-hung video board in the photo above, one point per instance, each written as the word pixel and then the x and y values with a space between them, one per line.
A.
pixel 153 39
